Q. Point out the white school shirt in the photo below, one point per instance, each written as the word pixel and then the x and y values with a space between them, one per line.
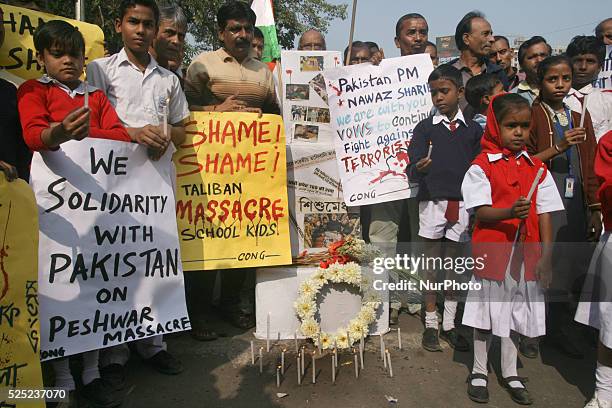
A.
pixel 438 117
pixel 476 188
pixel 138 97
pixel 599 105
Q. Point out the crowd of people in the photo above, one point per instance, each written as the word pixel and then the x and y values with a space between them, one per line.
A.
pixel 496 129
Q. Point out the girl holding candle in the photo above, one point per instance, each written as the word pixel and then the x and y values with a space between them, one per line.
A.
pixel 516 236
pixel 568 149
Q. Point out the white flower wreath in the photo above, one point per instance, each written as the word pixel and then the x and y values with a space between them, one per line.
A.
pixel 306 305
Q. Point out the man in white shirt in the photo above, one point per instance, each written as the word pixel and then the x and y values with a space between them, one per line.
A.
pixel 140 90
pixel 587 55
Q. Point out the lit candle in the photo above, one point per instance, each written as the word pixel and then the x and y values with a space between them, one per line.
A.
pixel 278 377
pixel 389 362
pixel 299 370
pixel 336 356
pixel 429 151
pixel 385 359
pixel 361 347
pixel 382 347
pixel 283 361
pixel 303 365
pixel 260 360
pixel 399 338
pixel 320 350
pixel 314 370
pixel 535 183
pixel 252 353
pixel 333 370
pixel 268 334
pixel 356 364
pixel 86 95
pixel 296 343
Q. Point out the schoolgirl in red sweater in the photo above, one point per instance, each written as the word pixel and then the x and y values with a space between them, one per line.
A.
pixel 512 238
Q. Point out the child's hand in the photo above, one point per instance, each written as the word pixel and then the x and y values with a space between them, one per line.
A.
pixel 9 170
pixel 75 125
pixel 423 164
pixel 152 137
pixel 377 57
pixel 520 208
pixel 572 137
pixel 544 272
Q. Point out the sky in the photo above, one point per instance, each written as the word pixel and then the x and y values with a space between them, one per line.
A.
pixel 557 21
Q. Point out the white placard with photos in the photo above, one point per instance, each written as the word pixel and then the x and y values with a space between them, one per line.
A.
pixel 305 101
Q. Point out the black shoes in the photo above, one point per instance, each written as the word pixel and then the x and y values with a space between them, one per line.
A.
pixel 166 363
pixel 519 395
pixel 478 393
pixel 430 340
pixel 455 340
pixel 529 347
pixel 100 394
pixel 114 376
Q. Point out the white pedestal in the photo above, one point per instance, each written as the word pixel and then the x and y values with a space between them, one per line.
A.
pixel 277 290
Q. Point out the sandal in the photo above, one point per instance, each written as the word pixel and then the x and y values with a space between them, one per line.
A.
pixel 478 393
pixel 240 319
pixel 519 395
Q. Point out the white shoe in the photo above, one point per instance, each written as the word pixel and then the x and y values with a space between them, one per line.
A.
pixel 595 402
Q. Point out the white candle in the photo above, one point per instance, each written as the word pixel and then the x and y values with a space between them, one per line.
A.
pixel 429 151
pixel 86 95
pixel 260 360
pixel 535 183
pixel 361 347
pixel 333 370
pixel 356 364
pixel 283 361
pixel 314 370
pixel 385 359
pixel 336 356
pixel 252 353
pixel 389 362
pixel 382 347
pixel 278 377
pixel 348 339
pixel 303 365
pixel 268 334
pixel 320 349
pixel 299 370
pixel 399 338
pixel 296 343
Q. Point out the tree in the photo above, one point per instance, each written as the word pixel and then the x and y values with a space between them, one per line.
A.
pixel 293 17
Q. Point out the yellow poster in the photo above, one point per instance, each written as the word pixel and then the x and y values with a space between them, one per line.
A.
pixel 17 54
pixel 19 326
pixel 231 190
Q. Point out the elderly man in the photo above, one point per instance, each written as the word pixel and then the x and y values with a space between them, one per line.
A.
pixel 474 39
pixel 530 54
pixel 230 79
pixel 312 40
pixel 168 46
pixel 411 32
pixel 603 31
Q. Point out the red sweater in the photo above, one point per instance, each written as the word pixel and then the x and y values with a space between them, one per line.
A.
pixel 41 104
pixel 603 170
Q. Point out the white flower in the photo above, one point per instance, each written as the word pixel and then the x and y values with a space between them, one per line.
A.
pixel 326 341
pixel 352 273
pixel 309 327
pixel 307 289
pixel 341 338
pixel 319 279
pixel 357 329
pixel 304 308
pixel 367 315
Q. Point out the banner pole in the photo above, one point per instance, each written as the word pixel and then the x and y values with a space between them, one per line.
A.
pixel 350 45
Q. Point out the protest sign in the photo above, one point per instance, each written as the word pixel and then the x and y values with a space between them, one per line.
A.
pixel 232 192
pixel 19 327
pixel 374 110
pixel 109 258
pixel 605 75
pixel 305 101
pixel 317 210
pixel 18 55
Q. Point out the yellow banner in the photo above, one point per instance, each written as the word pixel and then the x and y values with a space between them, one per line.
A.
pixel 231 199
pixel 17 54
pixel 19 326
